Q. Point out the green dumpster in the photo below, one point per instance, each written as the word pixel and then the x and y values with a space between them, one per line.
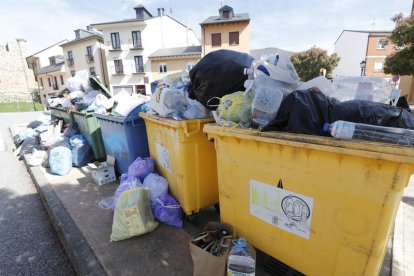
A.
pixel 90 128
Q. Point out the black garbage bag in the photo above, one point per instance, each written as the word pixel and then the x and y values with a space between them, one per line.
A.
pixel 81 155
pixel 307 111
pixel 217 74
pixel 34 124
pixel 28 145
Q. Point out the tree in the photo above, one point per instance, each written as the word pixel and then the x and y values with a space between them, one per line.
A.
pixel 401 62
pixel 309 63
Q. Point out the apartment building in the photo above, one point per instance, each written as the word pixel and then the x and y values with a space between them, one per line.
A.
pixel 172 60
pixel 51 79
pixel 130 42
pixel 86 52
pixel 47 64
pixel 369 47
pixel 226 31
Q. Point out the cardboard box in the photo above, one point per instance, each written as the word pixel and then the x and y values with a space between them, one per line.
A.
pixel 206 264
pixel 104 173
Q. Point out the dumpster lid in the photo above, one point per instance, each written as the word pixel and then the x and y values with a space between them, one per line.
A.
pixel 368 149
pixel 98 85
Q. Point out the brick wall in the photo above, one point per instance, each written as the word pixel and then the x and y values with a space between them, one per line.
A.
pixel 16 79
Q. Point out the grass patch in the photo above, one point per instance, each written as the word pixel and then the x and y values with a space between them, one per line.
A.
pixel 19 107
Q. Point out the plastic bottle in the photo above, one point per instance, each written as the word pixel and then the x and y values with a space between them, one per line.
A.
pixel 241 260
pixel 348 130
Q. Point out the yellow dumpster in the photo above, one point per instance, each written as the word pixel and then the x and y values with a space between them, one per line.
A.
pixel 185 157
pixel 322 206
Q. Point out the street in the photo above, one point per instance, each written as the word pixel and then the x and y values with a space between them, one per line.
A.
pixel 28 241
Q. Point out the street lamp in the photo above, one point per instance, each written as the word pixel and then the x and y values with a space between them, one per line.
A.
pixel 362 65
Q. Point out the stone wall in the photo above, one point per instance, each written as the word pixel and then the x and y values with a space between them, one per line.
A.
pixel 16 79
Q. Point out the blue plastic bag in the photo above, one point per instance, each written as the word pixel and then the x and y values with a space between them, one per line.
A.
pixel 60 160
pixel 81 155
pixel 141 168
pixel 126 184
pixel 157 185
pixel 167 210
pixel 77 140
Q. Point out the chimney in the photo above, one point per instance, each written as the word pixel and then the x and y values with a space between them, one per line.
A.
pixel 77 34
pixel 162 11
pixel 90 29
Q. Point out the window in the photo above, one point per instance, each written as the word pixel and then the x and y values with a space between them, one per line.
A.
pixel 139 64
pixel 70 59
pixel 226 14
pixel 234 38
pixel 50 83
pixel 190 66
pixel 378 66
pixel 55 83
pixel 216 39
pixel 92 71
pixel 41 82
pixel 399 47
pixel 116 43
pixel 162 68
pixel 52 60
pixel 140 89
pixel 72 73
pixel 381 44
pixel 61 80
pixel 136 39
pixel 89 54
pixel 119 68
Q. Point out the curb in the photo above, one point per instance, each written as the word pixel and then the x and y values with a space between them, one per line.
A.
pixel 80 254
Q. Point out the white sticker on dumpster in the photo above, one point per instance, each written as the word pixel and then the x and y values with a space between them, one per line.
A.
pixel 286 210
pixel 163 157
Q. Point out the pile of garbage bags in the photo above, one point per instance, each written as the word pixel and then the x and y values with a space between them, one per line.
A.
pixel 267 94
pixel 57 151
pixel 80 96
pixel 150 196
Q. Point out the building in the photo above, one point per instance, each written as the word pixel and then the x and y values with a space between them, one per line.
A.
pixel 130 42
pixel 46 65
pixel 173 60
pixel 371 47
pixel 16 79
pixel 226 31
pixel 86 52
pixel 51 79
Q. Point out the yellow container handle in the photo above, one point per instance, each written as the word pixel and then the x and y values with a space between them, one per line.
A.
pixel 193 132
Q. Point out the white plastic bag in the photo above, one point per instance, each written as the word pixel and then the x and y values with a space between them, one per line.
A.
pixel 278 67
pixel 167 101
pixel 195 110
pixel 157 186
pixel 322 83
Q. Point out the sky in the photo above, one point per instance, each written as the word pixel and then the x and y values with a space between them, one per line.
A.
pixel 293 25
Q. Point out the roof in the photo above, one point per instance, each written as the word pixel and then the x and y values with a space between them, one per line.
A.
pixel 177 51
pixel 365 32
pixel 225 8
pixel 51 68
pixel 217 19
pixel 119 21
pixel 47 48
pixel 81 39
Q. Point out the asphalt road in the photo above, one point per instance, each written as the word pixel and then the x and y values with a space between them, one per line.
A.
pixel 29 244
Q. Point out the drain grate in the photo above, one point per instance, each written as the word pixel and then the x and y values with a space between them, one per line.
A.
pixel 277 268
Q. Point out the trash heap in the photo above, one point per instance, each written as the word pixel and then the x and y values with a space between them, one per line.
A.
pixel 82 95
pixel 267 94
pixel 141 195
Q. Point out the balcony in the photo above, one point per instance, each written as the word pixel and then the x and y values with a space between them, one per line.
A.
pixel 117 71
pixel 114 46
pixel 136 44
pixel 137 69
pixel 70 62
pixel 89 58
